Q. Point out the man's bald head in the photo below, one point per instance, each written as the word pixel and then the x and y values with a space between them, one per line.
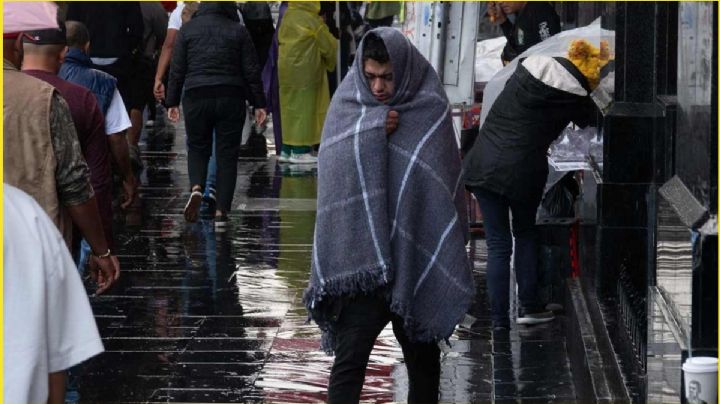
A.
pixel 43 57
pixel 43 50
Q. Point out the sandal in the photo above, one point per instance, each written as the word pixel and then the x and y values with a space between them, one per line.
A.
pixel 193 206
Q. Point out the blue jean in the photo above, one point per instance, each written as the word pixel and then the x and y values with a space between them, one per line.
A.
pixel 212 172
pixel 83 257
pixel 495 209
pixel 73 374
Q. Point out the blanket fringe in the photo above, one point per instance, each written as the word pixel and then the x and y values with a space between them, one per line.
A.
pixel 315 297
pixel 362 282
pixel 416 331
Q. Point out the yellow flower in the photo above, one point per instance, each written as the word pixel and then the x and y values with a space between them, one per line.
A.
pixel 589 59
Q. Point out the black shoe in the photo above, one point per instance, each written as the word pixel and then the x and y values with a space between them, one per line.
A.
pixel 537 317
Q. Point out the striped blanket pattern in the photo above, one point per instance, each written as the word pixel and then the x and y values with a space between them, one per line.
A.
pixel 391 209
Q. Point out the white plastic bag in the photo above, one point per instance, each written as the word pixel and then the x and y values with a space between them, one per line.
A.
pixel 556 45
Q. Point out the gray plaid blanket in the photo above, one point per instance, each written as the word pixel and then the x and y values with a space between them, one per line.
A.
pixel 391 209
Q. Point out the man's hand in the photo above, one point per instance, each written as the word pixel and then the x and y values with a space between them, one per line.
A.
pixel 104 271
pixel 260 116
pixel 392 122
pixel 174 114
pixel 495 13
pixel 159 90
pixel 130 187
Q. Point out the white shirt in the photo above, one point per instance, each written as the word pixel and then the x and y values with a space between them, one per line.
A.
pixel 103 61
pixel 48 324
pixel 116 118
pixel 175 20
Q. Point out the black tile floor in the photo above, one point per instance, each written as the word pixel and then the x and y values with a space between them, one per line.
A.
pixel 204 317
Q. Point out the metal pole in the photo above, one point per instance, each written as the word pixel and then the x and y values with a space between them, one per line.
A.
pixel 338 68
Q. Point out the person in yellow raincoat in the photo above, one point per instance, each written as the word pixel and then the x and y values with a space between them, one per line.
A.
pixel 306 52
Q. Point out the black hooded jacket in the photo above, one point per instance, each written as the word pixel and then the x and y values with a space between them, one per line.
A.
pixel 116 28
pixel 214 49
pixel 509 156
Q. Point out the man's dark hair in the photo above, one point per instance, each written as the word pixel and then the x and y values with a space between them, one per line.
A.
pixel 77 34
pixel 374 48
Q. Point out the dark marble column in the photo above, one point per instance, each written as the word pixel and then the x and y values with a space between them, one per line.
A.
pixel 635 132
pixel 663 123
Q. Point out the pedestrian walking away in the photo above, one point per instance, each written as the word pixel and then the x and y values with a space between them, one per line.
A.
pixel 307 51
pixel 215 62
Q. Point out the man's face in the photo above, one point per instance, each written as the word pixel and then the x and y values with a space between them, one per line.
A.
pixel 511 7
pixel 380 79
pixel 693 390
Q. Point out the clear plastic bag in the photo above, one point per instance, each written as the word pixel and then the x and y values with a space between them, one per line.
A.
pixel 556 45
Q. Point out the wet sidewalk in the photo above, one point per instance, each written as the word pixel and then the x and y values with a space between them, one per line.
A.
pixel 206 317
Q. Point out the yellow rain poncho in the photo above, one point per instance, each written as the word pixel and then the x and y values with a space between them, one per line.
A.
pixel 306 52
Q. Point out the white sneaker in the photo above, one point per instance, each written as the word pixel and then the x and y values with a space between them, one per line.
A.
pixel 305 158
pixel 535 318
pixel 284 157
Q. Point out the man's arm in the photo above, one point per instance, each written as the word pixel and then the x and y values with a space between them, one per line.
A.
pixel 72 179
pixel 164 63
pixel 56 387
pixel 585 113
pixel 120 153
pixel 178 69
pixel 72 175
pixel 250 69
pixel 116 123
pixel 545 21
pixel 327 45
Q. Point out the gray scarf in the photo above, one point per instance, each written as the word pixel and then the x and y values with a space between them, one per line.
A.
pixel 391 211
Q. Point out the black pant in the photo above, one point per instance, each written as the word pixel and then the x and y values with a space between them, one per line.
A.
pixel 223 113
pixel 124 72
pixel 361 321
pixel 383 22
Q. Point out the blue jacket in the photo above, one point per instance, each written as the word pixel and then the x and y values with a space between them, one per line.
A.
pixel 78 69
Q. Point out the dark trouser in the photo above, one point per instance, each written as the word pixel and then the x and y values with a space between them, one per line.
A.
pixel 383 22
pixel 361 321
pixel 495 209
pixel 124 71
pixel 225 114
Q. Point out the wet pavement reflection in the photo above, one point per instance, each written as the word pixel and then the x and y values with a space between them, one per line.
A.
pixel 202 316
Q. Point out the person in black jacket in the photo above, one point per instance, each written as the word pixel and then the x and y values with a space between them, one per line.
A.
pixel 116 29
pixel 214 60
pixel 534 23
pixel 259 23
pixel 506 169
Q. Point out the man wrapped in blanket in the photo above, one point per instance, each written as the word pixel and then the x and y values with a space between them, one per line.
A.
pixel 391 228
